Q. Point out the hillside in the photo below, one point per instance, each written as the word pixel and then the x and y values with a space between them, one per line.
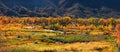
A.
pixel 76 8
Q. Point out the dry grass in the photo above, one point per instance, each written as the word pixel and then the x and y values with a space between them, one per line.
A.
pixel 74 47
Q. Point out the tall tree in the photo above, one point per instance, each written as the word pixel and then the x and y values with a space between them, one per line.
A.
pixel 118 35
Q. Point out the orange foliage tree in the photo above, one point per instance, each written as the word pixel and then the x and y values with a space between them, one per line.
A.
pixel 118 35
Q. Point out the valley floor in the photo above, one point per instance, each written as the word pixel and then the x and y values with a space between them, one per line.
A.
pixel 58 34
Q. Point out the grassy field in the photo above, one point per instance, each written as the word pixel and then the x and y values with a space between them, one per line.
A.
pixel 52 42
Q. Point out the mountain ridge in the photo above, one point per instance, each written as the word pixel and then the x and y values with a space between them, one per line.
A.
pixel 76 8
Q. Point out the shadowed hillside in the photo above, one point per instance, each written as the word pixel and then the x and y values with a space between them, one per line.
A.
pixel 76 8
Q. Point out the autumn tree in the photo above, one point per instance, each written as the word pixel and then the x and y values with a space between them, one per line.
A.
pixel 111 21
pixel 93 21
pixel 1 22
pixel 103 22
pixel 55 26
pixel 80 20
pixel 65 21
pixel 118 35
